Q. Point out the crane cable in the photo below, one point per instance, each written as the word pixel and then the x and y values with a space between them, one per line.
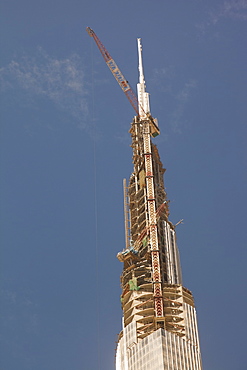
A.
pixel 95 208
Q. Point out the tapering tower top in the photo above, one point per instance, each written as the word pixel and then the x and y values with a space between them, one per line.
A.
pixel 143 96
pixel 141 73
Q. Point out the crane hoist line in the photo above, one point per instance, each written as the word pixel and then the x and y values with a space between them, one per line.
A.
pixel 123 83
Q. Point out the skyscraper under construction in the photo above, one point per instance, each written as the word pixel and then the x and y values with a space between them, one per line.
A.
pixel 159 318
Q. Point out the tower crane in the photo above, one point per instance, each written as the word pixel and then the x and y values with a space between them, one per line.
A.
pixel 140 104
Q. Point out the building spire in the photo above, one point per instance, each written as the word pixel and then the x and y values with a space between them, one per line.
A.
pixel 141 73
pixel 143 96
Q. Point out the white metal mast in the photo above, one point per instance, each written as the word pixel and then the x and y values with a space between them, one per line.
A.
pixel 143 96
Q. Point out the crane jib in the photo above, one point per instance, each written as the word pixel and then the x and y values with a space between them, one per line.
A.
pixel 118 75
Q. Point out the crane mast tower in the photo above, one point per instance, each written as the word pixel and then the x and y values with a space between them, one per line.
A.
pixel 159 317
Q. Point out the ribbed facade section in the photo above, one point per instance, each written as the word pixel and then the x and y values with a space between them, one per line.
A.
pixel 172 259
pixel 161 350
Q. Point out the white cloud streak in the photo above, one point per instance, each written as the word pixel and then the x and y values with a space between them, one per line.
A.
pixel 182 99
pixel 230 9
pixel 62 81
pixel 176 101
pixel 160 74
pixel 19 320
pixel 234 9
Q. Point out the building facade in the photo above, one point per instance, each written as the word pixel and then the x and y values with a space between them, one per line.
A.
pixel 159 317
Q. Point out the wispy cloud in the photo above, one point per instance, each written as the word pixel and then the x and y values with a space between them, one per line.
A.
pixel 234 9
pixel 181 99
pixel 160 74
pixel 62 81
pixel 177 98
pixel 19 322
pixel 15 304
pixel 230 9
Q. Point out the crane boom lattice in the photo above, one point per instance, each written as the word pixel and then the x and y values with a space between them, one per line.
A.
pixel 123 83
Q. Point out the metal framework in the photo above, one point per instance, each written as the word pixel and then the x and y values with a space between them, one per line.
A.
pixel 157 280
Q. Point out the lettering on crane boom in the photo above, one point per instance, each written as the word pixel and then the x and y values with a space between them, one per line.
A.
pixel 118 75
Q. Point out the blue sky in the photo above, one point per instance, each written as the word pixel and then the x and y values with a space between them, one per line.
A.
pixel 65 150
